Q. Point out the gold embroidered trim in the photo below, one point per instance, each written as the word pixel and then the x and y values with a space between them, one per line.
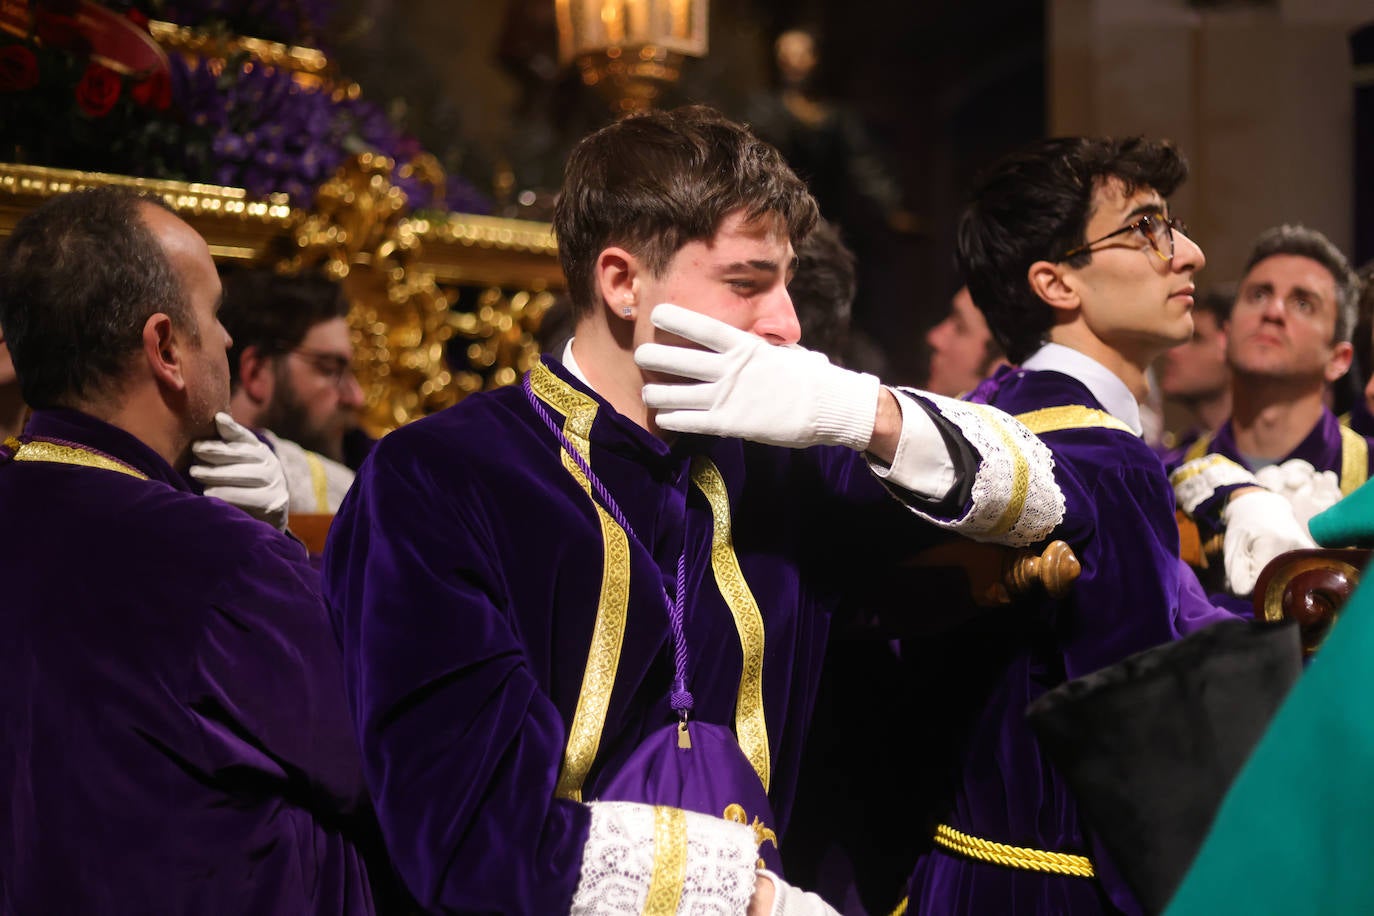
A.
pixel 1072 416
pixel 1194 467
pixel 1058 863
pixel 318 482
pixel 66 454
pixel 1354 460
pixel 1020 476
pixel 670 861
pixel 1198 448
pixel 608 634
pixel 900 909
pixel 751 727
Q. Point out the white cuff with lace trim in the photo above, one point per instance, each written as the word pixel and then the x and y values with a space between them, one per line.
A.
pixel 650 858
pixel 1196 481
pixel 1015 499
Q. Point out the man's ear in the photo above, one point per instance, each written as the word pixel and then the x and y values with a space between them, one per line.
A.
pixel 1053 285
pixel 257 375
pixel 163 351
pixel 617 276
pixel 1339 364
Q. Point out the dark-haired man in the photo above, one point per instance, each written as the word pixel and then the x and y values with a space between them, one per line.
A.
pixel 1289 340
pixel 580 643
pixel 291 370
pixel 171 702
pixel 962 349
pixel 1085 277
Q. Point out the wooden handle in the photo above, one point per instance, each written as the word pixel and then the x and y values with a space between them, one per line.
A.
pixel 1055 570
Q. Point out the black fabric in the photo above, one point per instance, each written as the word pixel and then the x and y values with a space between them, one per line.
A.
pixel 1151 744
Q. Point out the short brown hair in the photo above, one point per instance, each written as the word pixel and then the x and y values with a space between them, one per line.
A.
pixel 653 182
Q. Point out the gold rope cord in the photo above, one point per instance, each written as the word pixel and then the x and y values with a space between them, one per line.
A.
pixel 65 454
pixel 1354 460
pixel 608 634
pixel 670 861
pixel 1072 416
pixel 1058 863
pixel 751 727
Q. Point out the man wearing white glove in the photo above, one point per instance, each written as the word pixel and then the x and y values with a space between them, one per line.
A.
pixel 242 470
pixel 169 679
pixel 1288 341
pixel 549 597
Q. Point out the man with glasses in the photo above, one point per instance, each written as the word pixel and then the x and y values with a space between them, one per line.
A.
pixel 1085 278
pixel 292 374
pixel 1289 341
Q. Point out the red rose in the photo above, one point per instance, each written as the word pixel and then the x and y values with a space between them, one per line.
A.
pixel 98 90
pixel 155 92
pixel 18 69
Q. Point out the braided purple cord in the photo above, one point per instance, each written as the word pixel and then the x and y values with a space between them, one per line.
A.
pixel 681 698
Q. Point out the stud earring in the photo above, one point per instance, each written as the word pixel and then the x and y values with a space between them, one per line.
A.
pixel 627 311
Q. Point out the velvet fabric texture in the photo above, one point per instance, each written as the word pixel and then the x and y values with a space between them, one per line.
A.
pixel 174 725
pixel 1133 593
pixel 464 571
pixel 1150 745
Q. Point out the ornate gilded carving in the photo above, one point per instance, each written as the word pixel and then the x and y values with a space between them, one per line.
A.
pixel 391 263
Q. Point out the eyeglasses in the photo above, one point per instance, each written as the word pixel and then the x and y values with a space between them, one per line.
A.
pixel 338 369
pixel 1157 230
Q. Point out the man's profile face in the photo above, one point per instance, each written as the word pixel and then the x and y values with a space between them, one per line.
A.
pixel 1134 301
pixel 958 348
pixel 1197 368
pixel 739 277
pixel 206 370
pixel 1283 323
pixel 315 396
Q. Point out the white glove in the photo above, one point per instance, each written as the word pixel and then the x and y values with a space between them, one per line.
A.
pixel 747 388
pixel 1259 526
pixel 1308 490
pixel 240 469
pixel 791 901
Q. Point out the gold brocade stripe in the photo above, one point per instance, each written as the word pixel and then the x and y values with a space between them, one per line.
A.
pixel 670 861
pixel 900 909
pixel 1354 460
pixel 317 481
pixel 1020 477
pixel 1058 863
pixel 751 727
pixel 608 633
pixel 67 454
pixel 1189 470
pixel 1198 448
pixel 1072 416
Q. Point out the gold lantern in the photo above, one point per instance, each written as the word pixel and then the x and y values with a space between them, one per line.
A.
pixel 630 49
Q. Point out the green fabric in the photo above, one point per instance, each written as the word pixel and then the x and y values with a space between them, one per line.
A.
pixel 1296 831
pixel 1349 523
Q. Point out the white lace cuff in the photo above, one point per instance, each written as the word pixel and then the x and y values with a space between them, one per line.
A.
pixel 650 858
pixel 1015 499
pixel 1195 482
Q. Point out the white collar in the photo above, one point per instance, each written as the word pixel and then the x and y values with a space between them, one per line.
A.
pixel 571 365
pixel 1111 392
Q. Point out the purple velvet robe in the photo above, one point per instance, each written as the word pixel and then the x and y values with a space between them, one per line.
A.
pixel 464 570
pixel 1134 592
pixel 175 732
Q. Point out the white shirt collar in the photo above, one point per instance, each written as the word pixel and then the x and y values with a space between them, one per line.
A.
pixel 571 365
pixel 1111 392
